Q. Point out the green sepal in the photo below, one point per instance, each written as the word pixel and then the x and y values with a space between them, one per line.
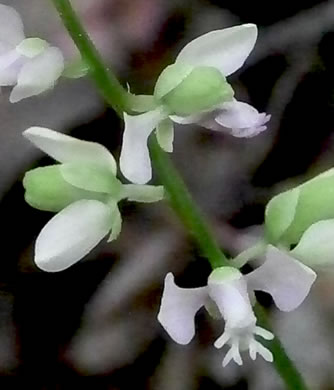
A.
pixel 142 103
pixel 46 189
pixel 165 135
pixel 144 193
pixel 203 89
pixel 91 177
pixel 316 246
pixel 170 78
pixel 76 69
pixel 315 203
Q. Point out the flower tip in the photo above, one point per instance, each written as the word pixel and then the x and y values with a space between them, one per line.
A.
pixel 47 265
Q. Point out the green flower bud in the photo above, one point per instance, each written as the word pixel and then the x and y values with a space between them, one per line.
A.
pixel 290 213
pixel 186 91
pixel 47 190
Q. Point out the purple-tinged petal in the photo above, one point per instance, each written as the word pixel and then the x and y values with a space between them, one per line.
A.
pixel 286 279
pixel 243 120
pixel 11 26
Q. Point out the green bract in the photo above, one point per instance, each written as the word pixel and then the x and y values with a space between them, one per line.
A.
pixel 291 213
pixel 186 91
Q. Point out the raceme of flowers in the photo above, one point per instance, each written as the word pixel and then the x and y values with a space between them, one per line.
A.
pixel 82 187
pixel 83 190
pixel 193 90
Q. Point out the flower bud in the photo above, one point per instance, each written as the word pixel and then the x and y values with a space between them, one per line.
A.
pixel 47 190
pixel 191 91
pixel 291 213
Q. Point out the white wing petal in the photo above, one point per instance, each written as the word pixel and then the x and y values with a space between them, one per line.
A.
pixel 11 26
pixel 178 309
pixel 286 279
pixel 71 234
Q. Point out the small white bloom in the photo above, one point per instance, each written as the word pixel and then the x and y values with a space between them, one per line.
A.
pixel 31 65
pixel 207 99
pixel 87 197
pixel 227 291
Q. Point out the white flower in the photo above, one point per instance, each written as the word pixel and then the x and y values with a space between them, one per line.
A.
pixel 227 292
pixel 85 190
pixel 193 90
pixel 28 64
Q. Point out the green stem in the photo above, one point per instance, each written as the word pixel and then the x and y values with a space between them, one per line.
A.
pixel 185 207
pixel 108 84
pixel 179 196
pixel 283 364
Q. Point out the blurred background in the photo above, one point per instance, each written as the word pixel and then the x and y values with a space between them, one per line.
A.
pixel 98 319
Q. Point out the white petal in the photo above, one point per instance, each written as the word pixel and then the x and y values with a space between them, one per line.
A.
pixel 263 351
pixel 286 279
pixel 225 49
pixel 222 340
pixel 71 234
pixel 178 309
pixel 232 299
pixel 10 65
pixel 64 148
pixel 38 74
pixel 233 354
pixel 264 333
pixel 135 163
pixel 8 59
pixel 11 26
pixel 243 119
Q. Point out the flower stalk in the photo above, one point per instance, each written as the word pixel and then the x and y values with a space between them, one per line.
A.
pixel 120 100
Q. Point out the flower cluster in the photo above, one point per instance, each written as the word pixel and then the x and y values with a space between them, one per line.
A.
pixel 84 190
pixel 82 187
pixel 193 90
